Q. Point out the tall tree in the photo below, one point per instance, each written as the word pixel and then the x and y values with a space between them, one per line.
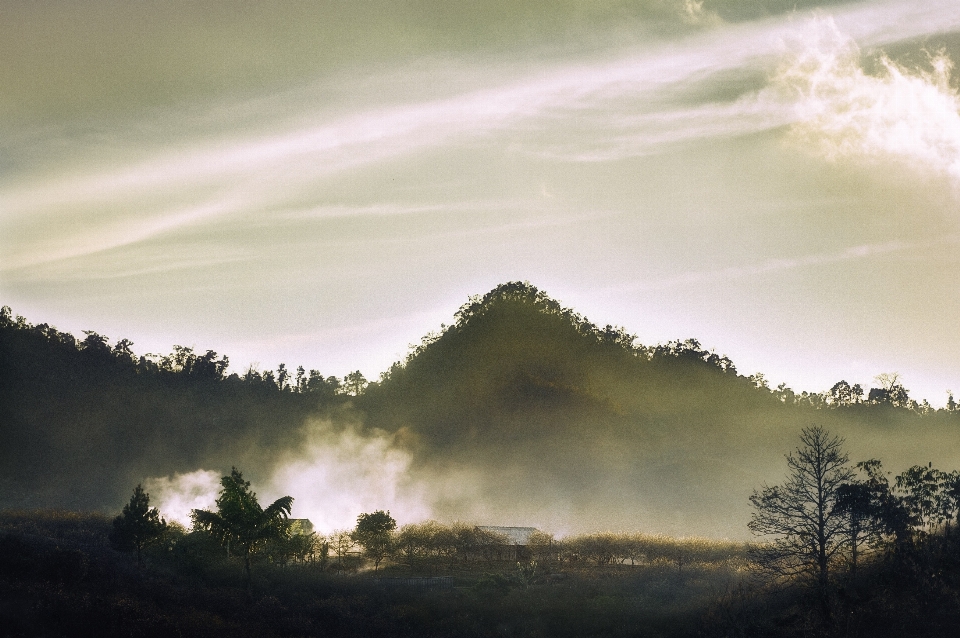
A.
pixel 374 532
pixel 801 514
pixel 891 519
pixel 138 526
pixel 842 394
pixel 354 383
pixel 240 524
pixel 854 500
pixel 891 390
pixel 920 489
pixel 949 504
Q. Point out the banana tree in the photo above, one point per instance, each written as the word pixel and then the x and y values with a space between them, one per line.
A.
pixel 240 524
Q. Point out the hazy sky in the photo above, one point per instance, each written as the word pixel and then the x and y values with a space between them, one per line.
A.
pixel 324 183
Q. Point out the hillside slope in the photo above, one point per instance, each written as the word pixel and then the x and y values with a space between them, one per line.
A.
pixel 524 412
pixel 520 413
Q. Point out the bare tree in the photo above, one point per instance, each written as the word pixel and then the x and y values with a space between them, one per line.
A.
pixel 891 390
pixel 342 545
pixel 801 514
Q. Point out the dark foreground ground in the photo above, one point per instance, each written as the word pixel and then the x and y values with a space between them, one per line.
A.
pixel 59 577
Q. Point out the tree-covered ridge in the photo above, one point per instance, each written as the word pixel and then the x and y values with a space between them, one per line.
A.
pixel 515 377
pixel 71 407
pixel 526 310
pixel 50 350
pixel 515 354
pixel 517 301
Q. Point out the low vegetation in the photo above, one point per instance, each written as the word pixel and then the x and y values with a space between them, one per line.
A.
pixel 844 552
pixel 59 576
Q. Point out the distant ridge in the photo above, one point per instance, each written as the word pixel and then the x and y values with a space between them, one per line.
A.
pixel 520 410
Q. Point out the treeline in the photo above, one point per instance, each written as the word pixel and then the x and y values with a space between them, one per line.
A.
pixel 59 576
pixel 251 532
pixel 516 302
pixel 70 407
pixel 52 351
pixel 431 546
pixel 433 543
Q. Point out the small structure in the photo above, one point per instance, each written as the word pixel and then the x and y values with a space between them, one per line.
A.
pixel 514 540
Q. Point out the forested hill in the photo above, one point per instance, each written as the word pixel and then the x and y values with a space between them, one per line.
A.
pixel 539 411
pixel 520 411
pixel 81 421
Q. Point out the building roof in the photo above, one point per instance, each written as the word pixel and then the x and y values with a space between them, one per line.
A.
pixel 516 535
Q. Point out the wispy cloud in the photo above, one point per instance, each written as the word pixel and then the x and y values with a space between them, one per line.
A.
pixel 912 116
pixel 622 106
pixel 107 236
pixel 770 266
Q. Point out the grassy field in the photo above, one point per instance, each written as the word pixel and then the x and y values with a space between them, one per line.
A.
pixel 58 576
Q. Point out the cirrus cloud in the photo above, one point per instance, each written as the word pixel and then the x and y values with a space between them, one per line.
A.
pixel 911 116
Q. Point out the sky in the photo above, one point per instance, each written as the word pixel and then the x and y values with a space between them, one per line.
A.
pixel 322 184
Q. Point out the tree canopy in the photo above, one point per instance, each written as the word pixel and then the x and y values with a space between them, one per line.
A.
pixel 138 525
pixel 240 524
pixel 374 532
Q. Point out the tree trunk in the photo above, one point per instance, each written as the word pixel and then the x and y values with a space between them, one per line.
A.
pixel 853 554
pixel 824 590
pixel 246 569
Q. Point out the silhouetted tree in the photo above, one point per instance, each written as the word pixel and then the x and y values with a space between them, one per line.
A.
pixel 920 490
pixel 802 513
pixel 122 351
pixel 239 523
pixel 354 383
pixel 784 394
pixel 341 542
pixel 891 518
pixel 949 498
pixel 282 375
pixel 856 501
pixel 891 390
pixel 842 393
pixel 138 526
pixel 207 366
pixel 374 532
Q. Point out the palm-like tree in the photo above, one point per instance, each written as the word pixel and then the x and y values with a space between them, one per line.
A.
pixel 239 523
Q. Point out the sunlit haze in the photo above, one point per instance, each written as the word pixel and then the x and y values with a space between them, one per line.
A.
pixel 323 184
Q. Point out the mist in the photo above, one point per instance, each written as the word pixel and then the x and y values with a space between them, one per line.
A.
pixel 694 483
pixel 522 413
